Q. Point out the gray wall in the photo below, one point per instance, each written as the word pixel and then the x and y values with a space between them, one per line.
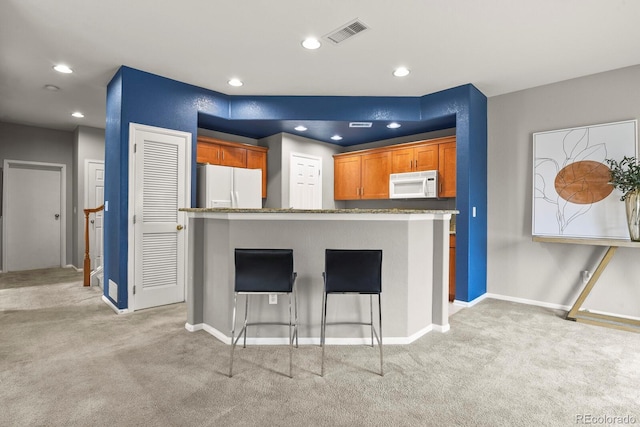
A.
pixel 28 143
pixel 550 272
pixel 88 145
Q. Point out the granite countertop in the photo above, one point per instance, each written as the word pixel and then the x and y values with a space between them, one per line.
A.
pixel 322 211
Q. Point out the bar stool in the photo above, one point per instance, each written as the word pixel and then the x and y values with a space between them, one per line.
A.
pixel 264 272
pixel 353 271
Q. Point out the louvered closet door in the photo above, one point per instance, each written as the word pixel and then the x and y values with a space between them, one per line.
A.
pixel 160 240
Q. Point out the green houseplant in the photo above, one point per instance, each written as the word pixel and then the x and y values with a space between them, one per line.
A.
pixel 625 176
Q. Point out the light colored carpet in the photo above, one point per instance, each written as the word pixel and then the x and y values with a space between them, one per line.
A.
pixel 67 360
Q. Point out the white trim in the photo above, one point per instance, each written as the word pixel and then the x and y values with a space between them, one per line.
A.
pixel 315 340
pixel 442 329
pixel 113 307
pixel 470 303
pixel 74 267
pixel 529 302
pixel 319 215
pixel 193 328
pixel 557 306
pixel 63 206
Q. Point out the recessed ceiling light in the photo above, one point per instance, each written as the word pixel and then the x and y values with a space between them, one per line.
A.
pixel 394 125
pixel 311 43
pixel 61 68
pixel 52 88
pixel 401 72
pixel 336 137
pixel 300 128
pixel 235 82
pixel 78 114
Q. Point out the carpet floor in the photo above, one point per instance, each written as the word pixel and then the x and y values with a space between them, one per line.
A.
pixel 66 359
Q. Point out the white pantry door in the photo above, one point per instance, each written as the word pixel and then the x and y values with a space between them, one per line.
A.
pixel 305 182
pixel 161 159
pixel 34 215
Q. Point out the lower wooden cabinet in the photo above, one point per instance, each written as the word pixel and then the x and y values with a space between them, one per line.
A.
pixel 224 153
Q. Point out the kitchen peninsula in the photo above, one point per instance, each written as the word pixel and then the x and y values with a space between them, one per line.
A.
pixel 415 270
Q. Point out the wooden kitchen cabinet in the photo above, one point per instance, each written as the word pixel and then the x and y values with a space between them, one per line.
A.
pixel 365 174
pixel 420 157
pixel 224 153
pixel 362 176
pixel 447 169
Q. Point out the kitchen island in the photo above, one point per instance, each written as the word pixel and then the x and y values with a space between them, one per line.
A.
pixel 415 270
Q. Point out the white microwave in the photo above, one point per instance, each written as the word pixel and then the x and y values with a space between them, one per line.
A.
pixel 413 185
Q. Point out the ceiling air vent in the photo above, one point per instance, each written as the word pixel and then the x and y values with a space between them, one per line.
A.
pixel 360 124
pixel 346 31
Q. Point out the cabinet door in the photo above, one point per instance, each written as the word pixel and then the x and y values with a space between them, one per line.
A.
pixel 207 153
pixel 258 160
pixel 233 156
pixel 402 160
pixel 376 168
pixel 426 157
pixel 346 178
pixel 447 169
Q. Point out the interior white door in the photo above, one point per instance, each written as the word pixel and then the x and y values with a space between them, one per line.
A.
pixel 95 198
pixel 34 215
pixel 305 189
pixel 161 162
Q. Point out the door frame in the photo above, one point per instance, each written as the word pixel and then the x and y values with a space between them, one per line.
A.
pixel 293 155
pixel 87 162
pixel 133 127
pixel 63 205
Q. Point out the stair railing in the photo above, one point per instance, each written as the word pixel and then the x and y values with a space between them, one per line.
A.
pixel 87 258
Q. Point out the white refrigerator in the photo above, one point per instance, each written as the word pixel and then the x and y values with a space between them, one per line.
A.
pixel 227 187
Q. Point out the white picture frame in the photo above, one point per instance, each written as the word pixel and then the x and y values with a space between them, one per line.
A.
pixel 571 194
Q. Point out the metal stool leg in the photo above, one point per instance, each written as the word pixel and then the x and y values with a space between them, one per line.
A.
pixel 322 332
pixel 371 312
pixel 244 327
pixel 290 342
pixel 380 332
pixel 233 330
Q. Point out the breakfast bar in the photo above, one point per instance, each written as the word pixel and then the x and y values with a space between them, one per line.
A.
pixel 415 267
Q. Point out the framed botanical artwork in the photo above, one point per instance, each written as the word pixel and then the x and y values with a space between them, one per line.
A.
pixel 572 196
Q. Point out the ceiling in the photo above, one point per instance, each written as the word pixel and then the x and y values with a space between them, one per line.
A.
pixel 500 46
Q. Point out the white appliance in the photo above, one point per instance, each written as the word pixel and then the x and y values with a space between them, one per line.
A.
pixel 413 185
pixel 227 187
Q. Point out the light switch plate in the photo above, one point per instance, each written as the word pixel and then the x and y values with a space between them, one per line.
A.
pixel 273 298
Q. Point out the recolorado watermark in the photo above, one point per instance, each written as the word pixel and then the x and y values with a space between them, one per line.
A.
pixel 590 419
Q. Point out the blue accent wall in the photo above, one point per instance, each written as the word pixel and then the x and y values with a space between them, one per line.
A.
pixel 135 96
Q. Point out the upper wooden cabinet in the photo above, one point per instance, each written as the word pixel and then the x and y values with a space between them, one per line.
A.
pixel 218 152
pixel 365 174
pixel 447 169
pixel 362 176
pixel 420 157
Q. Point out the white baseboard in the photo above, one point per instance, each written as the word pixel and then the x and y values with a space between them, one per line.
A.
pixel 529 302
pixel 470 303
pixel 113 307
pixel 74 267
pixel 315 340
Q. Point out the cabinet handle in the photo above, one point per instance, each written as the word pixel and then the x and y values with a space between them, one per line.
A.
pixel 223 155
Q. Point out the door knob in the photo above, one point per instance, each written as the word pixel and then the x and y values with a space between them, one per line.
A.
pixel 92 221
pixel 57 216
pixel 179 227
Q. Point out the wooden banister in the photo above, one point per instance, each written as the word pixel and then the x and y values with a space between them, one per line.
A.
pixel 87 259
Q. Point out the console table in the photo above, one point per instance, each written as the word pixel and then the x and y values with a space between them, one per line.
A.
pixel 583 316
